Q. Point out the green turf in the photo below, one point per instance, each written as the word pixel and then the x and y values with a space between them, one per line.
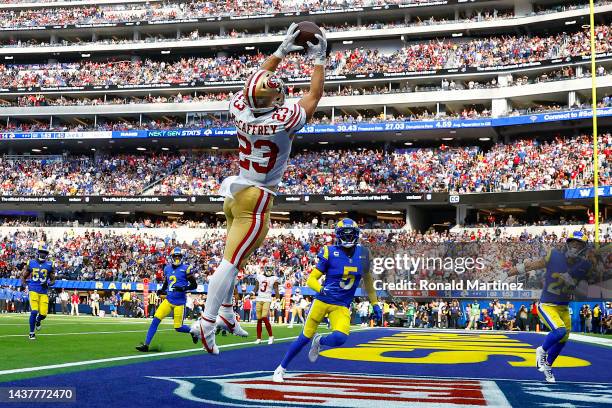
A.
pixel 87 338
pixel 603 336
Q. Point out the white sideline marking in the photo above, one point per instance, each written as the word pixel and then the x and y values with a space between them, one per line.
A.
pixel 80 333
pixel 134 357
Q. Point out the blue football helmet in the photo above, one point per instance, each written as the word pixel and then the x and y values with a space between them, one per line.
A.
pixel 177 256
pixel 576 250
pixel 43 252
pixel 347 233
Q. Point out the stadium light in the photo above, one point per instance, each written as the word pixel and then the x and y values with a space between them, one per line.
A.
pixel 8 57
pixel 93 149
pixel 331 212
pixel 457 35
pixel 36 150
pixel 484 139
pixel 165 149
pixel 571 22
pixel 408 143
pixel 173 212
pixel 215 147
pixel 45 147
pixel 392 212
pixel 446 139
pixel 349 42
pixel 280 212
pixel 141 149
pixel 323 142
pixel 84 55
pixel 249 48
pixel 123 212
pixel 165 52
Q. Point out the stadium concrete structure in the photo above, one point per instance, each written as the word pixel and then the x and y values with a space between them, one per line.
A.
pixel 460 100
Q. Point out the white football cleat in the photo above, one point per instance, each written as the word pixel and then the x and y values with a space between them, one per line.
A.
pixel 258 341
pixel 315 347
pixel 208 330
pixel 271 340
pixel 548 375
pixel 230 323
pixel 278 375
pixel 290 326
pixel 541 357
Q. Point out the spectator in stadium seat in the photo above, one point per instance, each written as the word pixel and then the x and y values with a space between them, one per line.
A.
pixel 522 318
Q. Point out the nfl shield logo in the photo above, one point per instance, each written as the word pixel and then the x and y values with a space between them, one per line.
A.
pixel 318 389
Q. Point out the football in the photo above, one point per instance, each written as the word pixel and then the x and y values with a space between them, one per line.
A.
pixel 308 30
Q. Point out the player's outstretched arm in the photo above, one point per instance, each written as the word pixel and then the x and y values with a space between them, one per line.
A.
pixel 368 282
pixel 288 45
pixel 313 280
pixel 317 52
pixel 531 265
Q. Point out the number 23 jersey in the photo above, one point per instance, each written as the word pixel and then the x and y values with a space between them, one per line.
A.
pixel 342 272
pixel 264 143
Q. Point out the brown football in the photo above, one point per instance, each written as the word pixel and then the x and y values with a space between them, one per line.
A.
pixel 308 29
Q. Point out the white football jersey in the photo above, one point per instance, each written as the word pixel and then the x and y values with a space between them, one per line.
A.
pixel 264 143
pixel 266 285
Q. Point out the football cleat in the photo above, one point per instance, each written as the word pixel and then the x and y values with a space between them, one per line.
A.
pixel 258 341
pixel 230 323
pixel 32 336
pixel 315 347
pixel 290 326
pixel 548 375
pixel 278 375
pixel 271 340
pixel 143 347
pixel 541 357
pixel 38 325
pixel 207 335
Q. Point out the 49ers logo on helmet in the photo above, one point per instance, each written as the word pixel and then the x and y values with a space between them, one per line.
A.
pixel 274 83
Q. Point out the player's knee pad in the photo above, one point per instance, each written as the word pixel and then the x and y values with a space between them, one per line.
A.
pixel 560 334
pixel 335 339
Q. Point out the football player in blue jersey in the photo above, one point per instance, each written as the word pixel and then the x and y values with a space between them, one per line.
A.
pixel 177 280
pixel 38 275
pixel 564 270
pixel 343 265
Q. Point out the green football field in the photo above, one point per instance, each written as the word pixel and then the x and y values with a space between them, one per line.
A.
pixel 68 343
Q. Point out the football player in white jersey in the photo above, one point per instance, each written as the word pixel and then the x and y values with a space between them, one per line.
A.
pixel 266 124
pixel 266 283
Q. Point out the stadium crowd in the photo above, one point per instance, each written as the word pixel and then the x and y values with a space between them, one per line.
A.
pixel 522 165
pixel 425 56
pixel 173 11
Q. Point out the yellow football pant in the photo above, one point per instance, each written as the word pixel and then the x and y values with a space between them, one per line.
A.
pixel 166 308
pixel 262 309
pixel 339 318
pixel 248 222
pixel 39 302
pixel 556 316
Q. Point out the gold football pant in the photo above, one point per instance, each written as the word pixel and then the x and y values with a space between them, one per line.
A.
pixel 248 222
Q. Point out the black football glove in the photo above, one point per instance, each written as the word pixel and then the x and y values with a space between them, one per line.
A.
pixel 45 285
pixel 161 292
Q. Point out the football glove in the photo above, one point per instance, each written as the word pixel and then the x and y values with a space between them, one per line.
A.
pixel 317 52
pixel 181 289
pixel 377 312
pixel 161 292
pixel 45 285
pixel 288 45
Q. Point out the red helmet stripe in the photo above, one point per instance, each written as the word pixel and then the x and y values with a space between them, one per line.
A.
pixel 253 86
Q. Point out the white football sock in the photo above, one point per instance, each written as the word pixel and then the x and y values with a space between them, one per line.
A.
pixel 227 307
pixel 219 285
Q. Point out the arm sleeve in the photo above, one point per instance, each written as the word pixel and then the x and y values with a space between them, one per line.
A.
pixel 323 263
pixel 313 280
pixel 296 119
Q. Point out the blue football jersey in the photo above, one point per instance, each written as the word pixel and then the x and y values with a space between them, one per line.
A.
pixel 342 272
pixel 39 274
pixel 555 289
pixel 177 276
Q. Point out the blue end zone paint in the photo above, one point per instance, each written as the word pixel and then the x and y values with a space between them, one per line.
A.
pixel 131 385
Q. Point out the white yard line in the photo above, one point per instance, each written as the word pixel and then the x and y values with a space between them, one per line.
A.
pixel 80 333
pixel 135 357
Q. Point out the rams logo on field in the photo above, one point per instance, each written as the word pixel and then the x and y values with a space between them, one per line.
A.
pixel 318 389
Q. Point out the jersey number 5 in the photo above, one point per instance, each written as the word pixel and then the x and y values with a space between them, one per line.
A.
pixel 348 277
pixel 270 153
